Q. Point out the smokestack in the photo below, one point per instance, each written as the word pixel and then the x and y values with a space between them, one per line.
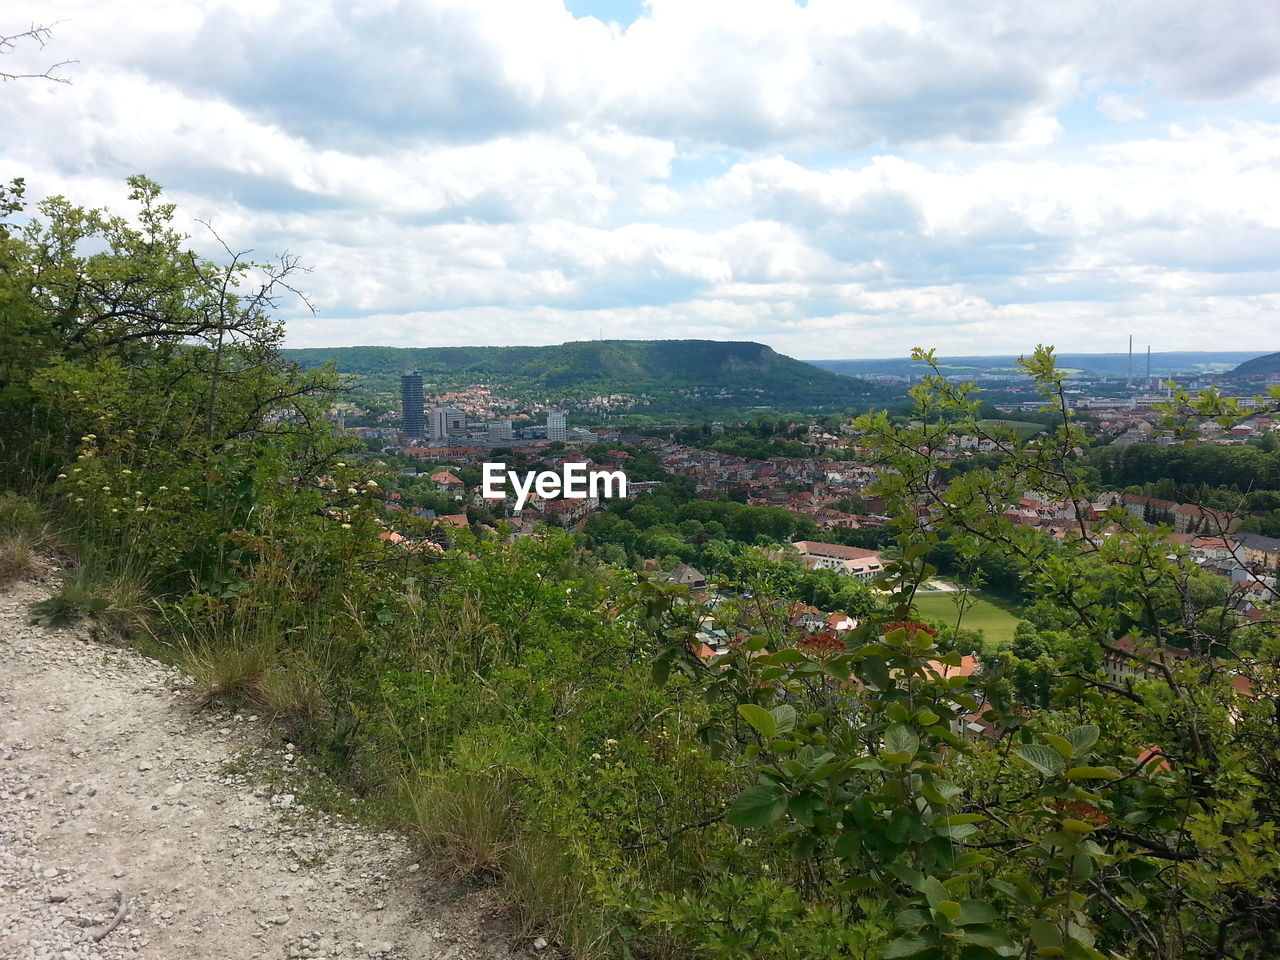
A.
pixel 1128 379
pixel 1148 364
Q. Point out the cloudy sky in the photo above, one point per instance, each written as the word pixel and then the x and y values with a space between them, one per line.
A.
pixel 834 178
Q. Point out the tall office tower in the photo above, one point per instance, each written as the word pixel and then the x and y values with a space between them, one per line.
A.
pixel 411 404
pixel 555 426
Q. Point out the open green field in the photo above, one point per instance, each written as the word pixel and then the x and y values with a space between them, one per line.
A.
pixel 994 616
pixel 1023 428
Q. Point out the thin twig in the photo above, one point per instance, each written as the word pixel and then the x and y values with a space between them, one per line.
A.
pixel 122 907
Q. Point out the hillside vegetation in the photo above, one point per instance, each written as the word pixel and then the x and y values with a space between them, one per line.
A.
pixel 749 373
pixel 1258 366
pixel 555 725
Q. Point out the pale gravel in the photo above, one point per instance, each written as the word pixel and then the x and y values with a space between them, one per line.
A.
pixel 111 780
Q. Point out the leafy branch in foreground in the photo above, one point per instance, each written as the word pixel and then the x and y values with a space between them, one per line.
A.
pixel 1132 817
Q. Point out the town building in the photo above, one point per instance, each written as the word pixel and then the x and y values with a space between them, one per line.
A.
pixel 556 429
pixel 851 561
pixel 412 422
pixel 444 422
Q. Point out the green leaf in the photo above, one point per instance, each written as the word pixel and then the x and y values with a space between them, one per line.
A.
pixel 1044 934
pixel 758 806
pixel 874 672
pixel 975 911
pixel 1041 757
pixel 910 919
pixel 949 909
pixel 1080 934
pixel 847 844
pixel 934 891
pixel 986 936
pixel 910 945
pixel 900 738
pixel 1082 738
pixel 760 718
pixel 1021 891
pixel 784 717
pixel 1061 745
pixel 1082 865
pixel 956 818
pixel 958 832
pixel 907 875
pixel 802 807
pixel 940 791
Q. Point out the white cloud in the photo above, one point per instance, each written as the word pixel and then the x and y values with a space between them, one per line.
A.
pixel 832 178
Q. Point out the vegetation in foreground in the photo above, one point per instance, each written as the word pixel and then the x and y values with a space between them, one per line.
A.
pixel 544 717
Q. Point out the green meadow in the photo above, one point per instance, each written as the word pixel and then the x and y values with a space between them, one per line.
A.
pixel 1024 429
pixel 994 616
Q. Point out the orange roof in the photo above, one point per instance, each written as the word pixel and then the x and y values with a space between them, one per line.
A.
pixel 1242 686
pixel 835 550
pixel 454 519
pixel 968 667
pixel 1150 754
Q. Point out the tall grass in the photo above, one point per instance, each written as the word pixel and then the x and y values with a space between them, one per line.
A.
pixel 465 815
pixel 25 532
pixel 548 889
pixel 249 648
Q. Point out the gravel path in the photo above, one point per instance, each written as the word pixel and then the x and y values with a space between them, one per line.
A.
pixel 112 784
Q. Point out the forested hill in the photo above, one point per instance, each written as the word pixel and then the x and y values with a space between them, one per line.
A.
pixel 735 372
pixel 1258 366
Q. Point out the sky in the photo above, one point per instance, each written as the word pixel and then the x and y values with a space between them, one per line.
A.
pixel 837 179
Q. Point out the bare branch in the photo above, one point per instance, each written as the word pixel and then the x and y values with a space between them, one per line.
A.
pixel 40 35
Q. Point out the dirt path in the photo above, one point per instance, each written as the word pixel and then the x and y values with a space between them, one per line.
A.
pixel 109 781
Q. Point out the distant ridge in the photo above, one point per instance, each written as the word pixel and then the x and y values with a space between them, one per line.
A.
pixel 1258 366
pixel 1163 364
pixel 727 372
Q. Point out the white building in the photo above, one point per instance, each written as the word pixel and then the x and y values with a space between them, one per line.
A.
pixel 445 422
pixel 556 426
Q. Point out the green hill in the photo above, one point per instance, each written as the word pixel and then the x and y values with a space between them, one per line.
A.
pixel 1258 366
pixel 730 373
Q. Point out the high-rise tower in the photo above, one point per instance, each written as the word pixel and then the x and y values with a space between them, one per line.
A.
pixel 412 421
pixel 556 426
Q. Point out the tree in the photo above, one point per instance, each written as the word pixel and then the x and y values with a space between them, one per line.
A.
pixel 1063 837
pixel 141 331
